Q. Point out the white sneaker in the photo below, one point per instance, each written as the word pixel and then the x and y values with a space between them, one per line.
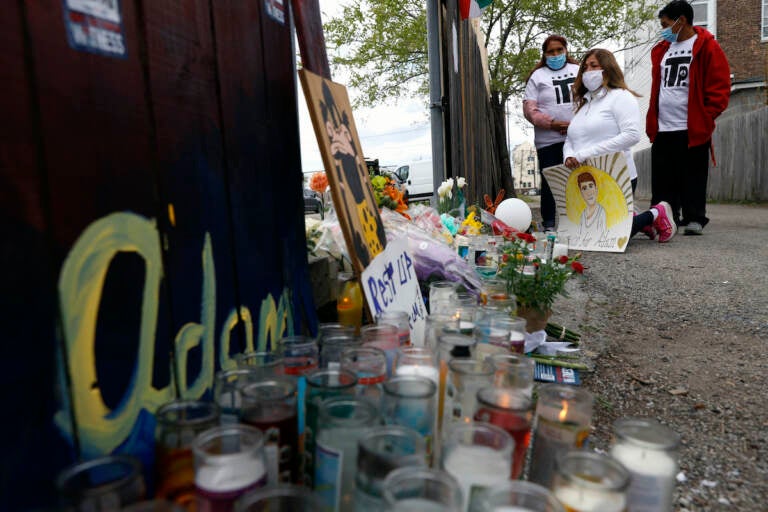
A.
pixel 693 228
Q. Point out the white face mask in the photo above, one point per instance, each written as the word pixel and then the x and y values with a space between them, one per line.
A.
pixel 592 80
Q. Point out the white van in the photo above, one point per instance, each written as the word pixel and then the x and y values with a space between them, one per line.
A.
pixel 420 183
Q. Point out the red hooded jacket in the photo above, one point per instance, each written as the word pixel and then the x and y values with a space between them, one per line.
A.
pixel 709 87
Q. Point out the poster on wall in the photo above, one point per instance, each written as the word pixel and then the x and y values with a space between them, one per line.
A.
pixel 353 199
pixel 594 203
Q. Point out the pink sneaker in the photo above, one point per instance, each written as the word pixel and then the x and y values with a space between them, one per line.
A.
pixel 664 224
pixel 649 232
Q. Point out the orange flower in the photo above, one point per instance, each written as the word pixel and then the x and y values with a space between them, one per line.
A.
pixel 318 182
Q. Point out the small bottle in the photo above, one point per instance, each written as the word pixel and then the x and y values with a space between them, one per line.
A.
pixel 349 304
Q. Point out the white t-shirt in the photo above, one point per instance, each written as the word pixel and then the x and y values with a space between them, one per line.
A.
pixel 551 90
pixel 607 123
pixel 673 93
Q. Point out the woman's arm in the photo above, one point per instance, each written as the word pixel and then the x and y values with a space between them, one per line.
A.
pixel 626 114
pixel 535 115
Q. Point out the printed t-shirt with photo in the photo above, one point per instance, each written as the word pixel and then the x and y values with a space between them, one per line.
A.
pixel 551 90
pixel 673 95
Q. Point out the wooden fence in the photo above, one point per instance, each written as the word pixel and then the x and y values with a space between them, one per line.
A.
pixel 470 149
pixel 741 151
pixel 151 218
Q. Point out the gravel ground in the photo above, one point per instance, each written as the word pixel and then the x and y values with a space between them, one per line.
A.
pixel 679 332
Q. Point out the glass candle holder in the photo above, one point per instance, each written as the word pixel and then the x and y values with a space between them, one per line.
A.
pixel 349 304
pixel 563 418
pixel 369 364
pixel 321 385
pixel 280 498
pixel 102 484
pixel 438 325
pixel 333 329
pixel 450 346
pixel 332 347
pixel 268 364
pixel 492 333
pixel 590 482
pixel 441 290
pixel 401 320
pixel 178 423
pixel 384 337
pixel 511 410
pixel 513 371
pixel 467 377
pixel 226 391
pixel 493 288
pixel 649 451
pixel 464 446
pixel 413 489
pixel 418 361
pixel 466 299
pixel 343 422
pixel 380 451
pixel 300 354
pixel 519 496
pixel 411 401
pixel 229 461
pixel 270 405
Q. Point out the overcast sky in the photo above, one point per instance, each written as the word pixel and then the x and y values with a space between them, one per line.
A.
pixel 396 134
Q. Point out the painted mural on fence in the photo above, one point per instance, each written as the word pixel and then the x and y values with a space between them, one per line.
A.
pixel 127 427
pixel 594 203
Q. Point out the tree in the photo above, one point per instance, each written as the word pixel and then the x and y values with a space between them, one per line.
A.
pixel 383 44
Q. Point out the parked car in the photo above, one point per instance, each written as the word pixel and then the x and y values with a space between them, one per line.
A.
pixel 312 203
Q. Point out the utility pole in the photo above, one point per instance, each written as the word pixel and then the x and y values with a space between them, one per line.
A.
pixel 435 95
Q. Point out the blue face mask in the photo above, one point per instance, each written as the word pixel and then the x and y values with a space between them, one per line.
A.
pixel 667 33
pixel 556 62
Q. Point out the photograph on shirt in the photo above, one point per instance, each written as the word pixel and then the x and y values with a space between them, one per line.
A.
pixel 594 203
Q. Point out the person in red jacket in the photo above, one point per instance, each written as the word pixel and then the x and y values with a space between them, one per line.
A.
pixel 691 86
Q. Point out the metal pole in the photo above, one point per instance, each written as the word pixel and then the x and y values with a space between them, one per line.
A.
pixel 435 95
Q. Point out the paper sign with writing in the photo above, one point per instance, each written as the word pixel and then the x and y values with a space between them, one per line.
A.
pixel 594 203
pixel 390 284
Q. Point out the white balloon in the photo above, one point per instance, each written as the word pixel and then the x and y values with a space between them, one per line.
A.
pixel 515 213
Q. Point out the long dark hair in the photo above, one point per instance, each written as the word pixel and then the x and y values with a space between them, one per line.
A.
pixel 613 78
pixel 543 61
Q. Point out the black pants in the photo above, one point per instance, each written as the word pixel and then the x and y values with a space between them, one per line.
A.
pixel 641 220
pixel 549 156
pixel 679 176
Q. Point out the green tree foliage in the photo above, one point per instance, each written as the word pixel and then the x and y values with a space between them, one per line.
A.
pixel 382 44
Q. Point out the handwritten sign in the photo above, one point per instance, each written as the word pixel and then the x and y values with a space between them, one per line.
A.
pixel 390 284
pixel 594 203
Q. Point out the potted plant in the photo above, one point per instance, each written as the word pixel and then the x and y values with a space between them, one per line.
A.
pixel 534 281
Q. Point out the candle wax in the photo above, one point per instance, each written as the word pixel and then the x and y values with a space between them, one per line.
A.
pixel 418 505
pixel 429 372
pixel 580 499
pixel 653 476
pixel 462 463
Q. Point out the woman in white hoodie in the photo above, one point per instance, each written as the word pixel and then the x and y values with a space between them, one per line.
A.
pixel 607 120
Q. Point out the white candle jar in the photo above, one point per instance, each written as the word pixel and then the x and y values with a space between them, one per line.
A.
pixel 649 451
pixel 590 482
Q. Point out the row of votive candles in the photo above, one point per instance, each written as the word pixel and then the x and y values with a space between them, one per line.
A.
pixel 368 467
pixel 430 391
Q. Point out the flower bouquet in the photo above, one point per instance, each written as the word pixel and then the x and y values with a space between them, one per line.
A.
pixel 534 281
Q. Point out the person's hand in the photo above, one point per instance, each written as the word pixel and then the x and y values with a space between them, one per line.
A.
pixel 560 127
pixel 571 163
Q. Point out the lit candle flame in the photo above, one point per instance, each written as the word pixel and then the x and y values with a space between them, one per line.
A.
pixel 564 412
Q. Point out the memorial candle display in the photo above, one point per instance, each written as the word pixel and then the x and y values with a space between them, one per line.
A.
pixel 411 401
pixel 229 461
pixel 648 450
pixel 349 304
pixel 415 489
pixel 519 496
pixel 590 482
pixel 563 418
pixel 399 319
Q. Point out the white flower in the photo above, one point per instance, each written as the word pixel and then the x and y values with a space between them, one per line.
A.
pixel 449 181
pixel 460 182
pixel 444 190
